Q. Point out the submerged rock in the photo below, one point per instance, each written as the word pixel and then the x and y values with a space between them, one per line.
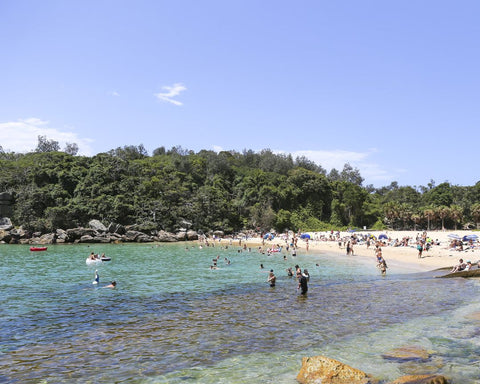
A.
pixel 323 370
pixel 421 379
pixel 407 353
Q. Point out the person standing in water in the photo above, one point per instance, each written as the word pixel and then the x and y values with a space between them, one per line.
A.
pixel 97 278
pixel 271 278
pixel 302 284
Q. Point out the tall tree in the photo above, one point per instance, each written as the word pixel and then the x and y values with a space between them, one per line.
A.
pixel 45 145
pixel 443 212
pixel 430 215
pixel 456 214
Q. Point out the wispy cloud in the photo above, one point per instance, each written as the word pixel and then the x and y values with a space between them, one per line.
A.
pixel 22 136
pixel 114 93
pixel 171 92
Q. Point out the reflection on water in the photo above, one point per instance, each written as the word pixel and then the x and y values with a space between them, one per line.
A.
pixel 172 319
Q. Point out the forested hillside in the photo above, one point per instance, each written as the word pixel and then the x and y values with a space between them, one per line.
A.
pixel 227 191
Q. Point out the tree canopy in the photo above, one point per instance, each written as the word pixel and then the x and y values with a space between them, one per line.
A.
pixel 229 191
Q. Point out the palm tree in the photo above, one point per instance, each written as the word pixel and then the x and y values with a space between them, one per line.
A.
pixel 456 214
pixel 404 212
pixel 416 218
pixel 443 212
pixel 476 213
pixel 391 212
pixel 429 214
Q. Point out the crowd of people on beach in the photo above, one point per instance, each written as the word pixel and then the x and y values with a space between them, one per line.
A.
pixel 285 244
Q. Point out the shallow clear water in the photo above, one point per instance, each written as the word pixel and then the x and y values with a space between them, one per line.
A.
pixel 171 319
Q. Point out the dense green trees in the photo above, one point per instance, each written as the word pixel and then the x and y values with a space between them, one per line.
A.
pixel 230 191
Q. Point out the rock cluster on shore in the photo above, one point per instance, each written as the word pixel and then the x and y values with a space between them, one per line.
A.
pixel 95 233
pixel 324 370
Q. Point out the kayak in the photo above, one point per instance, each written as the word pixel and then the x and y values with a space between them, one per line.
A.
pixel 35 249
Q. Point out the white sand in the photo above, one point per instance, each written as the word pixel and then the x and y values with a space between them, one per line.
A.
pixel 439 256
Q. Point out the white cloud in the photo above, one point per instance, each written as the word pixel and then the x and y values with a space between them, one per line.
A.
pixel 217 148
pixel 114 93
pixel 171 92
pixel 372 172
pixel 22 136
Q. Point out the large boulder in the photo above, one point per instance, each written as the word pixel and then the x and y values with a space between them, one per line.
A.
pixel 97 226
pixel 47 238
pixel 131 236
pixel 323 370
pixel 19 233
pixel 77 233
pixel 192 235
pixel 181 236
pixel 87 239
pixel 102 239
pixel 62 236
pixel 5 224
pixel 5 236
pixel 166 237
pixel 421 379
pixel 144 238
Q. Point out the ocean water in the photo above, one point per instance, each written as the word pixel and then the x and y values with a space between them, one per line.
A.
pixel 173 320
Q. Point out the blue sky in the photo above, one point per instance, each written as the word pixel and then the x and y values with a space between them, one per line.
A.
pixel 391 87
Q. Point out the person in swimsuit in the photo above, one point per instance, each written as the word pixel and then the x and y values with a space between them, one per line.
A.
pixel 271 278
pixel 113 284
pixel 303 284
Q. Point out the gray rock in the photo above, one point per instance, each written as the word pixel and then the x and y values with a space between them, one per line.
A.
pixel 5 224
pixel 97 226
pixel 192 235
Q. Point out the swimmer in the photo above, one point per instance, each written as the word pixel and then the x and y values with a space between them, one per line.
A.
pixel 113 284
pixel 97 278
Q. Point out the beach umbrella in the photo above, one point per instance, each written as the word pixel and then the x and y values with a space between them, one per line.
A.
pixel 383 236
pixel 454 236
pixel 268 236
pixel 305 236
pixel 470 237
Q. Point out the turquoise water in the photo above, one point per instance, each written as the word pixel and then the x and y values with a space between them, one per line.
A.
pixel 171 319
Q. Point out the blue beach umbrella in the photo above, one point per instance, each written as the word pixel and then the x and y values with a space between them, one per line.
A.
pixel 305 236
pixel 383 236
pixel 470 237
pixel 454 236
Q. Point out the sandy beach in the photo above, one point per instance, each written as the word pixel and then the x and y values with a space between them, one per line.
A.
pixel 440 255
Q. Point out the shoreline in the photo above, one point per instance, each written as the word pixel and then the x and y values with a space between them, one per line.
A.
pixel 402 257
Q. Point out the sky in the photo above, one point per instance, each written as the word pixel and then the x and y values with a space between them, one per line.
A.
pixel 390 87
